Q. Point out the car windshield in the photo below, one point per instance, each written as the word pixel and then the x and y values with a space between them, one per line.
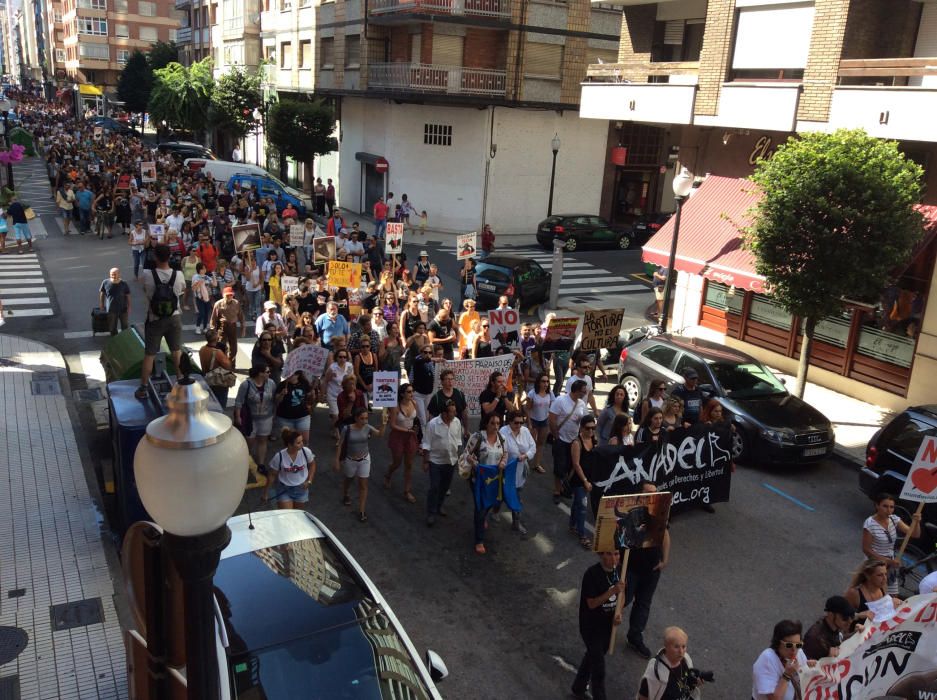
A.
pixel 492 273
pixel 320 629
pixel 746 380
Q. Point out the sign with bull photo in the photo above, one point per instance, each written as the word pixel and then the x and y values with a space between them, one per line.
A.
pixel 693 464
pixel 631 522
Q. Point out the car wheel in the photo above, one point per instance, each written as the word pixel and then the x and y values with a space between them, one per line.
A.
pixel 632 387
pixel 624 242
pixel 740 447
pixel 571 244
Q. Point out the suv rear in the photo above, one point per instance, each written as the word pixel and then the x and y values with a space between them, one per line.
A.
pixel 181 150
pixel 892 449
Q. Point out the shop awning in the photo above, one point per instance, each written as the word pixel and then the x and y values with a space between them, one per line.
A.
pixel 710 244
pixel 89 90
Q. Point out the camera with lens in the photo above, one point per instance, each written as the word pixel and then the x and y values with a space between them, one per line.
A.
pixel 695 675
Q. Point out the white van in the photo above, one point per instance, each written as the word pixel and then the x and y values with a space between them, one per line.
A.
pixel 222 170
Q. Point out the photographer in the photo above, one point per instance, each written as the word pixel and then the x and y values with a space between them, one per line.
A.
pixel 670 675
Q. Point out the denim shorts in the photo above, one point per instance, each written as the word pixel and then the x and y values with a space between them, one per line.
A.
pixel 297 494
pixel 539 423
pixel 300 424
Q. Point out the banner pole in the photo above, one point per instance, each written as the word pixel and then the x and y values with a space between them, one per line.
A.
pixel 907 538
pixel 620 603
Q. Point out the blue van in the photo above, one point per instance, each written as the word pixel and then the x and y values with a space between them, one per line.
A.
pixel 269 186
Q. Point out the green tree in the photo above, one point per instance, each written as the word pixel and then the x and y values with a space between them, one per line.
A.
pixel 836 218
pixel 162 53
pixel 233 101
pixel 182 96
pixel 301 130
pixel 135 83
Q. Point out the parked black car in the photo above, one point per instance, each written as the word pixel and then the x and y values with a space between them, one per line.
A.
pixel 647 225
pixel 180 150
pixel 522 281
pixel 889 455
pixel 111 124
pixel 771 424
pixel 581 230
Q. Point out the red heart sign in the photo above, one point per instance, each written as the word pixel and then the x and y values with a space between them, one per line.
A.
pixel 924 480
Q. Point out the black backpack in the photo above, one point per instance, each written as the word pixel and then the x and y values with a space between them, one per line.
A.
pixel 164 301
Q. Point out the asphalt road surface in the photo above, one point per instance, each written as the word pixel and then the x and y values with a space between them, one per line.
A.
pixel 506 622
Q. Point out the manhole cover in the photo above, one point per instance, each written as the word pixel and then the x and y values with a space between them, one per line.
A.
pixel 88 394
pixel 12 642
pixel 65 616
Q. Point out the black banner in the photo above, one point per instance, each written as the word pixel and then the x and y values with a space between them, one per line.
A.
pixel 694 464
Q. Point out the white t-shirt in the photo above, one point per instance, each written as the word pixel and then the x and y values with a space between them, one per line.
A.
pixel 587 379
pixel 563 407
pixel 766 672
pixel 540 405
pixel 928 583
pixel 149 286
pixel 292 472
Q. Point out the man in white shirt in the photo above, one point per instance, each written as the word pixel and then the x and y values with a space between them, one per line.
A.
pixel 236 154
pixel 581 371
pixel 565 413
pixel 354 248
pixel 442 440
pixel 270 315
pixel 175 220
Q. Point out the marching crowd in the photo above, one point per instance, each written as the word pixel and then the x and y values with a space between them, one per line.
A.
pixel 179 231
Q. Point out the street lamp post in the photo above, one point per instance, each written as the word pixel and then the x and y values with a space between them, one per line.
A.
pixel 258 119
pixel 190 469
pixel 682 184
pixel 555 145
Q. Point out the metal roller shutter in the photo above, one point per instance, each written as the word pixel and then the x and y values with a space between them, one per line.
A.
pixel 447 50
pixel 773 36
pixel 544 59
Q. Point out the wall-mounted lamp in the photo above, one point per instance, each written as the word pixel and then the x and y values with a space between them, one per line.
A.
pixel 493 150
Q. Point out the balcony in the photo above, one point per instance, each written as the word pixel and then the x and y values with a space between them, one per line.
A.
pixel 751 105
pixel 661 92
pixel 182 4
pixel 436 79
pixel 236 27
pixel 498 9
pixel 899 104
pixel 183 35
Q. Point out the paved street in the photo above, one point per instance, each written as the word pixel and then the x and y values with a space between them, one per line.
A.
pixel 506 622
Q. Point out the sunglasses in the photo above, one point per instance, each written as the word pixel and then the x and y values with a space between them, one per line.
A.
pixel 517 422
pixel 266 340
pixel 342 357
pixel 792 645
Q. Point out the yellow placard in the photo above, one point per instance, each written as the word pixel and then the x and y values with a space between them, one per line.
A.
pixel 344 274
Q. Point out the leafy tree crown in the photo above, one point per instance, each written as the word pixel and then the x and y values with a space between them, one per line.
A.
pixel 301 130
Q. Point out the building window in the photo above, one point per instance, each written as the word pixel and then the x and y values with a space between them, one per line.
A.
pixel 122 56
pixel 270 53
pixel 148 34
pixel 543 60
pixel 353 51
pixel 57 16
pixel 772 41
pixel 92 25
pixel 305 53
pixel 93 4
pixel 121 31
pixel 678 40
pixel 60 55
pixel 327 49
pixel 437 134
pixel 172 34
pixel 146 8
pixel 286 55
pixel 286 5
pixel 120 6
pixel 98 52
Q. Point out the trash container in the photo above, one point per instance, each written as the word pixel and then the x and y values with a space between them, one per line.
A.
pixel 129 417
pixel 122 356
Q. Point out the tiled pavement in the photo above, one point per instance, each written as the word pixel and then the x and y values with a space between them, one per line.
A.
pixel 51 550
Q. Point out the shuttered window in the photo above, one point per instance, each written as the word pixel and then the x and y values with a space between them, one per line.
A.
pixel 673 32
pixel 447 50
pixel 352 50
pixel 773 36
pixel 543 60
pixel 327 49
pixel 415 48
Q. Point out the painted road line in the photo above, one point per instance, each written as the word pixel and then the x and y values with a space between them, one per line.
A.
pixel 26 302
pixel 793 500
pixel 21 313
pixel 74 335
pixel 573 290
pixel 594 272
pixel 23 290
pixel 24 280
pixel 565 508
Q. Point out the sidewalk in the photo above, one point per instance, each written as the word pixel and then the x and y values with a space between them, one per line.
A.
pixel 60 637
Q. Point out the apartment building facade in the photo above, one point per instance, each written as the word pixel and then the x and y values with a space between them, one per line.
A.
pixel 100 35
pixel 714 86
pixel 456 103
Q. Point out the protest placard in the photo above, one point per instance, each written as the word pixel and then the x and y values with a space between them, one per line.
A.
pixel 921 483
pixel 561 333
pixel 471 376
pixel 635 521
pixel 323 249
pixel 147 171
pixel 289 284
pixel 158 232
pixel 893 658
pixel 344 274
pixel 297 235
pixel 246 237
pixel 505 327
pixel 393 238
pixel 308 359
pixel 466 245
pixel 98 133
pixel 384 389
pixel 600 328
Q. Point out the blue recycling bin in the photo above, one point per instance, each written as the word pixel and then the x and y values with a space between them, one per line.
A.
pixel 129 417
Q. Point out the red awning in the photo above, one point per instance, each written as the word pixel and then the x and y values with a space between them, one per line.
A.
pixel 710 241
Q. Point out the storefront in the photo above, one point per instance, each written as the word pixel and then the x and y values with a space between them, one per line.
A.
pixel 881 350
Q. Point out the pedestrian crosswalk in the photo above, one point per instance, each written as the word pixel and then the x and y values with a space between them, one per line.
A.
pixel 24 290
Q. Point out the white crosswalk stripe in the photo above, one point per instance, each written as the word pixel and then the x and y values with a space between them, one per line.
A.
pixel 23 287
pixel 581 278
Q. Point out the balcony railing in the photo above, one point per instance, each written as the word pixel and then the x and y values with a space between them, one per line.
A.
pixel 683 72
pixel 479 8
pixel 893 71
pixel 431 78
pixel 182 4
pixel 183 35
